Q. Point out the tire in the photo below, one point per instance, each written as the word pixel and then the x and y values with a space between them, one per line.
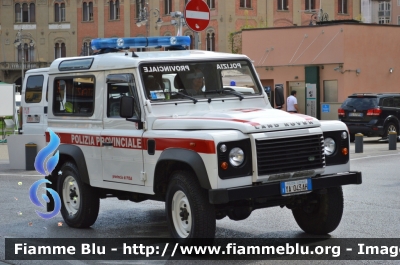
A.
pixel 79 202
pixel 189 214
pixel 390 127
pixel 322 217
pixel 352 137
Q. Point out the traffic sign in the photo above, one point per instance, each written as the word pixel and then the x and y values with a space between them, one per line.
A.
pixel 197 15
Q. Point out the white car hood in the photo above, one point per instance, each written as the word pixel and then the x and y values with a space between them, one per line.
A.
pixel 246 120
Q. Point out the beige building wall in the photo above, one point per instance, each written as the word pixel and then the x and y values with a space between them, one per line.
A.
pixel 44 33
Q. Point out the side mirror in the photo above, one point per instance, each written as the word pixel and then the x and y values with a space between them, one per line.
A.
pixel 126 107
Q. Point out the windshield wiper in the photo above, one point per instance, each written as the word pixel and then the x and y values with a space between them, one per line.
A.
pixel 186 96
pixel 227 91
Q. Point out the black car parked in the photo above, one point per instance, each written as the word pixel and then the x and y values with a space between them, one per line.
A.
pixel 371 114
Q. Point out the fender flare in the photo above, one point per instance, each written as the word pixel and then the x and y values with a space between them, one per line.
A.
pixel 189 157
pixel 76 154
pixel 391 118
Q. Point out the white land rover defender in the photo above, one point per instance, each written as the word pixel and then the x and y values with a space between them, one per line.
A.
pixel 208 153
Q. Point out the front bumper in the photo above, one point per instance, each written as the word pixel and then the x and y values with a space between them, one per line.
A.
pixel 221 196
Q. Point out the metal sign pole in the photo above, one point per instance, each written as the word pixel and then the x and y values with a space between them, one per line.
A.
pixel 196 40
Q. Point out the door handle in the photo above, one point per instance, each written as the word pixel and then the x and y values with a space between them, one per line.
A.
pixel 107 144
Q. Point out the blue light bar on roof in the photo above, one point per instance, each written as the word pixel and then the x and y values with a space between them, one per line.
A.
pixel 139 42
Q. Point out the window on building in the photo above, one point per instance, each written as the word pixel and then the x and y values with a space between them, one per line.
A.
pixel 139 6
pixel 59 12
pixel 342 6
pixel 191 47
pixel 210 41
pixel 60 50
pixel 167 7
pixel 211 3
pixel 25 13
pixel 398 2
pixel 384 12
pixel 86 49
pixel 114 10
pixel 283 5
pixel 310 5
pixel 18 15
pixel 87 11
pixel 244 3
pixel 74 96
pixel 26 52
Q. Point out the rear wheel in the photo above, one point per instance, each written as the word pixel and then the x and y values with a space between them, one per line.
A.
pixel 390 127
pixel 189 213
pixel 80 203
pixel 321 213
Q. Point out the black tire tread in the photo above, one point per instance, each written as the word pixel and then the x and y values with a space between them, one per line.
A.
pixel 326 218
pixel 386 133
pixel 204 220
pixel 90 202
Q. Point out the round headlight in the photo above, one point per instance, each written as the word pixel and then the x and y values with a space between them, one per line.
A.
pixel 236 157
pixel 344 135
pixel 330 146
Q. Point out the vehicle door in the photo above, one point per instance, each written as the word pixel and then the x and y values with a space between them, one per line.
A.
pixel 34 104
pixel 388 109
pixel 122 158
pixel 396 105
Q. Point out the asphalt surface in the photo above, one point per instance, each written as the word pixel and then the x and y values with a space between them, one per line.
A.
pixel 371 211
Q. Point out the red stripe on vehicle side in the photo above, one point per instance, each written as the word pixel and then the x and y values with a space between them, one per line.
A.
pixel 200 146
pixel 197 145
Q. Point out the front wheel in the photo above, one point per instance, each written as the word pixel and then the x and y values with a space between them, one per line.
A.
pixel 189 213
pixel 79 202
pixel 321 213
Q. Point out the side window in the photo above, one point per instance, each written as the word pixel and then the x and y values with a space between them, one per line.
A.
pixel 119 85
pixel 74 96
pixel 396 102
pixel 387 102
pixel 34 86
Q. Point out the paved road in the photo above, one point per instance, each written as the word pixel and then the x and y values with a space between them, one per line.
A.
pixel 371 210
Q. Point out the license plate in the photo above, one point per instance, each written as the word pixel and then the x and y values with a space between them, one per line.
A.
pixel 33 119
pixel 295 186
pixel 355 114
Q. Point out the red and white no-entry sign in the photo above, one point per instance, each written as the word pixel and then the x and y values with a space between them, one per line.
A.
pixel 197 15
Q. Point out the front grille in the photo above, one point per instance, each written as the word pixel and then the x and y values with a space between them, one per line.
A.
pixel 276 156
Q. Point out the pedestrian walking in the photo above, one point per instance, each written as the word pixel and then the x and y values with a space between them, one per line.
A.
pixel 292 103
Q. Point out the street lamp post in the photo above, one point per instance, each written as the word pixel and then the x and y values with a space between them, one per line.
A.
pixel 144 15
pixel 20 40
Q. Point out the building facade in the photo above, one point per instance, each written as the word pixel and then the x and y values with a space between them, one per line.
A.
pixel 35 32
pixel 326 63
pixel 380 12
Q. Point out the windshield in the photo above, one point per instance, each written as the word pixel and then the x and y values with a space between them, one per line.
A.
pixel 200 80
